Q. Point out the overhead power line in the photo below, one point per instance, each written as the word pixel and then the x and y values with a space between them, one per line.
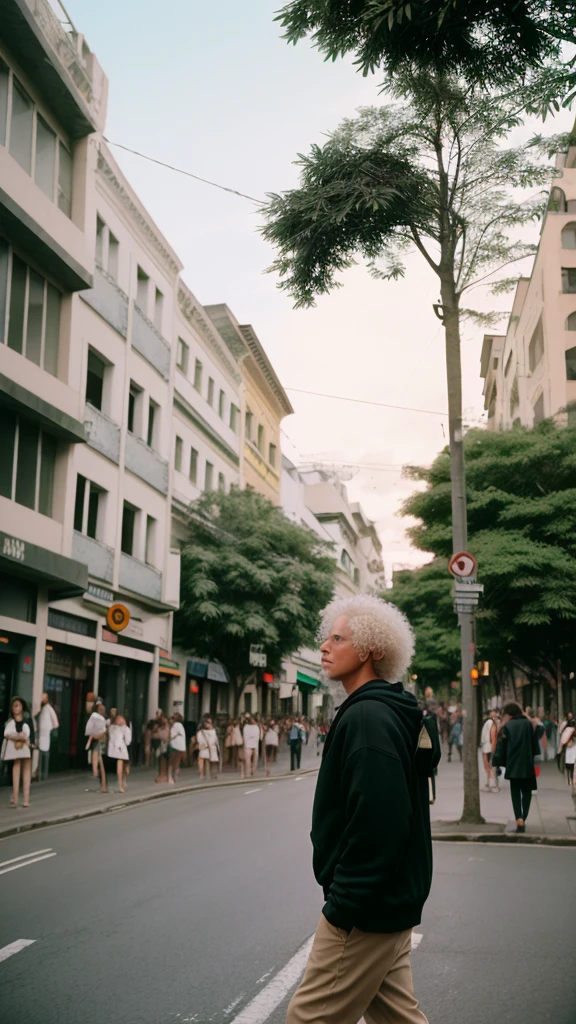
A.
pixel 366 401
pixel 187 174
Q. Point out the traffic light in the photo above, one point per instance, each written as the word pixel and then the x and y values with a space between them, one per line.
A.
pixel 474 673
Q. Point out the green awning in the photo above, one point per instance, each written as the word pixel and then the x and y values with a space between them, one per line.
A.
pixel 306 682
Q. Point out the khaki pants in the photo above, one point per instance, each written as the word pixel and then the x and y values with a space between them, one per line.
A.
pixel 357 974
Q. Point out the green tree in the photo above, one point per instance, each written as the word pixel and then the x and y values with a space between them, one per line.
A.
pixel 453 203
pixel 425 595
pixel 250 576
pixel 522 527
pixel 481 41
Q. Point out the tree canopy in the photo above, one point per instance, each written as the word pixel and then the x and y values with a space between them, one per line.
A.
pixel 522 530
pixel 250 576
pixel 482 41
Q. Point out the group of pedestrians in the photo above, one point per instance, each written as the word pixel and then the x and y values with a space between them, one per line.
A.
pixel 23 735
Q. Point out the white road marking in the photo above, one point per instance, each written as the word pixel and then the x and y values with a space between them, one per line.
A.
pixel 232 1005
pixel 247 792
pixel 416 940
pixel 15 947
pixel 263 1005
pixel 35 853
pixel 25 863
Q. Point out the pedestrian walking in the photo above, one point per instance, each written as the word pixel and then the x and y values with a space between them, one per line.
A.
pixel 370 825
pixel 177 747
pixel 17 749
pixel 160 744
pixel 567 752
pixel 119 739
pixel 456 734
pixel 295 738
pixel 516 749
pixel 237 746
pixel 251 737
pixel 488 740
pixel 208 750
pixel 271 744
pixel 47 723
pixel 96 733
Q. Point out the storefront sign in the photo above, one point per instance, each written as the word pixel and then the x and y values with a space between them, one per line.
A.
pixel 118 617
pixel 99 593
pixel 71 623
pixel 13 548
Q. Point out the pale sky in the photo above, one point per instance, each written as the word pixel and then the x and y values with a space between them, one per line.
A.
pixel 213 89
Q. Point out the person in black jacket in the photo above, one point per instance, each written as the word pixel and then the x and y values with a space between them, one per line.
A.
pixel 370 825
pixel 516 748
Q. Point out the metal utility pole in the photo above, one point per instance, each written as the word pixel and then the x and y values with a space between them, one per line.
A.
pixel 466 594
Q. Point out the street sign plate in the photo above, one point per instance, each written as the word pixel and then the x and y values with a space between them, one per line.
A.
pixel 462 564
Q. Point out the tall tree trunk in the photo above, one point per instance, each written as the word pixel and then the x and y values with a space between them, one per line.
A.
pixel 471 809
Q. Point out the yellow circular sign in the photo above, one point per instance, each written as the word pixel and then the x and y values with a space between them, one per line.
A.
pixel 118 617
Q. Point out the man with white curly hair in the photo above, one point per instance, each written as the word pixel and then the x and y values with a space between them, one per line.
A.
pixel 370 824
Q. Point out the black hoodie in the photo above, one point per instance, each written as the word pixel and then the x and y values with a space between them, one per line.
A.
pixel 371 817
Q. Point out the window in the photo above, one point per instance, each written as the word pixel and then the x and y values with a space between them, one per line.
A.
pixel 209 477
pixel 33 307
pixel 536 347
pixel 158 308
pixel 64 180
pixel 272 454
pixel 514 396
pixel 134 401
pixel 539 410
pixel 142 284
pixel 571 322
pixel 570 356
pixel 150 554
pixel 260 437
pixel 21 122
pixel 569 280
pixel 193 465
pixel 571 206
pixel 107 248
pixel 234 410
pixel 45 163
pixel 569 236
pixel 4 81
pixel 247 702
pixel 346 562
pixel 198 375
pixel 100 228
pixel 178 452
pixel 210 395
pixel 113 256
pixel 182 355
pixel 557 201
pixel 249 422
pixel 221 404
pixel 221 483
pixel 508 365
pixel 152 424
pixel 495 363
pixel 87 507
pixel 27 463
pixel 95 379
pixel 128 528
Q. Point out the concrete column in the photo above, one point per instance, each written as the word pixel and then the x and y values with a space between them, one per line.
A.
pixel 40 649
pixel 154 684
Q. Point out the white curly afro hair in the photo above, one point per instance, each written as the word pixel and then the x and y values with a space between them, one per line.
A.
pixel 378 628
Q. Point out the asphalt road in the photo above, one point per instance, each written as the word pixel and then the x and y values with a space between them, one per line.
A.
pixel 190 909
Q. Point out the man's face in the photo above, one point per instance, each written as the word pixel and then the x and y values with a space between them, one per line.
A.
pixel 339 656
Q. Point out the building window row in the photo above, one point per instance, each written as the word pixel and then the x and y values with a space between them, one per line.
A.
pixel 259 440
pixel 29 311
pixel 33 143
pixel 27 463
pixel 107 249
pixel 183 364
pixel 193 467
pixel 132 541
pixel 88 507
pixel 149 295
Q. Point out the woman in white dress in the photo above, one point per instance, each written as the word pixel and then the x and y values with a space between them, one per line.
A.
pixel 270 744
pixel 119 739
pixel 96 733
pixel 208 750
pixel 177 747
pixel 18 740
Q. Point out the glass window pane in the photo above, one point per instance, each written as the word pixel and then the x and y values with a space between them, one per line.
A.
pixel 64 180
pixel 128 519
pixel 52 336
pixel 99 241
pixel 21 126
pixel 45 157
pixel 3 286
pixel 27 463
pixel 4 76
pixel 113 248
pixel 193 465
pixel 35 311
pixel 79 502
pixel 93 501
pixel 7 433
pixel 17 298
pixel 47 465
pixel 95 380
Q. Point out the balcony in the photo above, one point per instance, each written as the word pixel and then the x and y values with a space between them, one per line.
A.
pixel 98 557
pixel 107 299
pixel 146 463
pixel 139 578
pixel 103 433
pixel 150 343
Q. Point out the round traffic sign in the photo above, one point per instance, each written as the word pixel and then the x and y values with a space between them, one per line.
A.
pixel 463 564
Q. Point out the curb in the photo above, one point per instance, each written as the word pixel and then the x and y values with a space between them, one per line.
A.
pixel 523 839
pixel 32 826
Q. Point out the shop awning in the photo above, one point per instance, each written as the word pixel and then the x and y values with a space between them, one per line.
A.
pixel 199 668
pixel 169 667
pixel 306 683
